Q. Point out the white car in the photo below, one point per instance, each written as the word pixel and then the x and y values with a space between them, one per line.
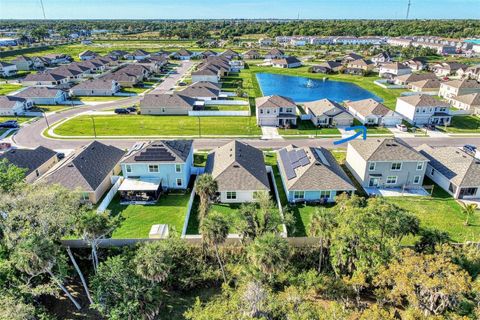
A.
pixel 402 127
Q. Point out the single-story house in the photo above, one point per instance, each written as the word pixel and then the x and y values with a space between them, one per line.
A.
pixel 429 85
pixel 12 105
pixel 202 90
pixel 275 53
pixel 167 104
pixel 288 62
pixel 311 174
pixel 454 170
pixel 382 57
pixel 89 172
pixel 327 67
pixel 44 79
pixel 326 112
pixel 95 87
pixel 87 55
pixel 251 54
pixel 7 69
pixel 239 170
pixel 43 95
pixel 421 109
pixel 371 112
pixel 444 69
pixel 183 54
pixel 36 162
pixel 416 64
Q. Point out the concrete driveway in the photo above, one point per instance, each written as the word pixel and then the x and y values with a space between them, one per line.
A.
pixel 269 133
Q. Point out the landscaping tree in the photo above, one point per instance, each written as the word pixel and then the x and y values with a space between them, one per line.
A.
pixel 214 230
pixel 154 260
pixel 10 176
pixel 267 255
pixel 321 226
pixel 15 309
pixel 469 210
pixel 206 187
pixel 431 283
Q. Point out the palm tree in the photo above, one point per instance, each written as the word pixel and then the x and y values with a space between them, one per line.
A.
pixel 469 210
pixel 214 231
pixel 268 254
pixel 154 260
pixel 321 226
pixel 205 187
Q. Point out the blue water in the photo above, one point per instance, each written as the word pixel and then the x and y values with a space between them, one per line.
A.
pixel 296 88
pixel 474 41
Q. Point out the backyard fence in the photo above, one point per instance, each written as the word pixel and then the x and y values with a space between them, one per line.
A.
pixel 279 203
pixel 189 208
pixel 384 84
pixel 117 181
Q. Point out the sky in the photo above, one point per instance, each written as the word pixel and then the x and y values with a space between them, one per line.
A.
pixel 251 9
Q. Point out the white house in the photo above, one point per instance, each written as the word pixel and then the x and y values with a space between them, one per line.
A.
pixel 95 87
pixel 43 95
pixel 276 111
pixel 423 109
pixel 455 88
pixel 394 69
pixel 371 112
pixel 11 105
pixel 469 102
pixel 7 69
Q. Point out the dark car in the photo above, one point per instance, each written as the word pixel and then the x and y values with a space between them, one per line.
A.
pixel 9 124
pixel 132 109
pixel 468 148
pixel 121 111
pixel 60 155
pixel 182 84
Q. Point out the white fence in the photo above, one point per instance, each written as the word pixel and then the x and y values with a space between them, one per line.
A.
pixel 189 208
pixel 306 116
pixel 208 113
pixel 279 204
pixel 460 112
pixel 413 93
pixel 227 102
pixel 117 181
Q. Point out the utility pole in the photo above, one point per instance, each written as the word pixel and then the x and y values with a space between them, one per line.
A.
pixel 43 10
pixel 46 120
pixel 94 129
pixel 408 8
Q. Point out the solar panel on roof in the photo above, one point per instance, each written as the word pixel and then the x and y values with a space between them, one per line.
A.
pixel 289 171
pixel 302 157
pixel 322 157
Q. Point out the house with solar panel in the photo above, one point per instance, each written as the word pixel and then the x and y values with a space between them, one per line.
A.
pixel 312 175
pixel 152 168
pixel 239 170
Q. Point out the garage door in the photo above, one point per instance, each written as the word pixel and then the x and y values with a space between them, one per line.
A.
pixel 391 121
pixel 268 122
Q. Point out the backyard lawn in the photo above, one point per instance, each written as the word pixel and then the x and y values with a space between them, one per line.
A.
pixel 141 125
pixel 218 107
pixel 138 219
pixel 463 124
pixel 7 88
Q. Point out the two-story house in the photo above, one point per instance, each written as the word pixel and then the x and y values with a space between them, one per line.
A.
pixel 455 88
pixel 423 109
pixel 385 163
pixel 390 70
pixel 155 167
pixel 12 105
pixel 276 111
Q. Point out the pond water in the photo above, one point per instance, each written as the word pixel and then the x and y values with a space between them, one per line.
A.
pixel 302 89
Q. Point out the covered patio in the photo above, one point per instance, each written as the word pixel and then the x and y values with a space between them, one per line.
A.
pixel 397 192
pixel 140 191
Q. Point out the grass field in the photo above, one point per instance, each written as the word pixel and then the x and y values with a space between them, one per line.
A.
pixel 99 99
pixel 463 124
pixel 52 108
pixel 7 88
pixel 138 219
pixel 140 125
pixel 306 127
pixel 373 129
pixel 19 119
pixel 215 107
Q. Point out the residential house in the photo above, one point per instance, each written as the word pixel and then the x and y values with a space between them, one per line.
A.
pixel 371 112
pixel 87 55
pixel 230 54
pixel 454 170
pixel 265 42
pixel 251 55
pixel 360 66
pixel 406 79
pixel 327 67
pixel 44 79
pixel 429 85
pixel 239 170
pixel 385 163
pixel 202 91
pixel 416 64
pixel 382 57
pixel 129 75
pixel 472 72
pixel 118 54
pixel 444 69
pixel 43 95
pixel 421 109
pixel 326 112
pixel 276 111
pixel 275 53
pixel 23 63
pixel 167 104
pixel 350 58
pixel 288 62
pixel 70 74
pixel 95 87
pixel 57 58
pixel 154 167
pixel 394 69
pixel 7 69
pixel 469 102
pixel 12 105
pixel 35 162
pixel 183 54
pixel 138 54
pixel 89 172
pixel 40 63
pixel 208 53
pixel 455 88
pixel 312 175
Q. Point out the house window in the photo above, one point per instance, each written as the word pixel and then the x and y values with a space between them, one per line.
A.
pixel 325 194
pixel 179 182
pixel 289 110
pixel 420 166
pixel 178 168
pixel 396 166
pixel 391 180
pixel 371 166
pixel 163 110
pixel 432 172
pixel 152 168
pixel 261 111
pixel 281 109
pixel 298 194
pixel 416 180
pixel 128 168
pixel 231 195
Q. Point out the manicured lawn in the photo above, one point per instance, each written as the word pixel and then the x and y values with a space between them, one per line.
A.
pixel 463 124
pixel 306 127
pixel 200 159
pixel 138 219
pixel 52 108
pixel 8 88
pixel 134 90
pixel 19 119
pixel 99 99
pixel 373 129
pixel 141 125
pixel 218 107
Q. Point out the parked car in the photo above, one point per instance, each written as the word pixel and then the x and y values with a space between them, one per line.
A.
pixel 5 146
pixel 402 127
pixel 60 155
pixel 132 109
pixel 182 84
pixel 121 111
pixel 9 124
pixel 468 148
pixel 429 127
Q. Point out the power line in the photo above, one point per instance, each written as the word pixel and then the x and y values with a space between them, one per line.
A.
pixel 408 8
pixel 43 9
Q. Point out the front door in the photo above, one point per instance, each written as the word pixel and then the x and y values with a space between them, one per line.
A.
pixel 374 182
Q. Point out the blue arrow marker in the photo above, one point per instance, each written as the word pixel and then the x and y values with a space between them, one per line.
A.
pixel 363 131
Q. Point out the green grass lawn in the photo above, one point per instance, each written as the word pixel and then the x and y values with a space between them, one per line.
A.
pixel 141 125
pixel 99 99
pixel 463 124
pixel 373 129
pixel 218 107
pixel 138 219
pixel 135 90
pixel 7 88
pixel 53 108
pixel 306 127
pixel 200 159
pixel 19 119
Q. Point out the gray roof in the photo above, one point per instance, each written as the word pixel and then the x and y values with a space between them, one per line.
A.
pixel 9 101
pixel 168 100
pixel 368 107
pixel 166 151
pixel 238 166
pixel 395 66
pixel 385 149
pixel 88 169
pixel 274 101
pixel 201 89
pixel 38 92
pixel 472 99
pixel 44 77
pixel 330 64
pixel 414 77
pixel 29 159
pixel 426 84
pixel 88 53
pixel 324 106
pixel 456 165
pixel 459 84
pixel 310 168
pixel 95 84
pixel 423 100
pixel 5 64
pixel 287 60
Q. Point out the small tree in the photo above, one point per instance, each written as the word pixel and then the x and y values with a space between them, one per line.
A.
pixel 321 226
pixel 154 260
pixel 469 210
pixel 10 176
pixel 206 187
pixel 214 231
pixel 268 254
